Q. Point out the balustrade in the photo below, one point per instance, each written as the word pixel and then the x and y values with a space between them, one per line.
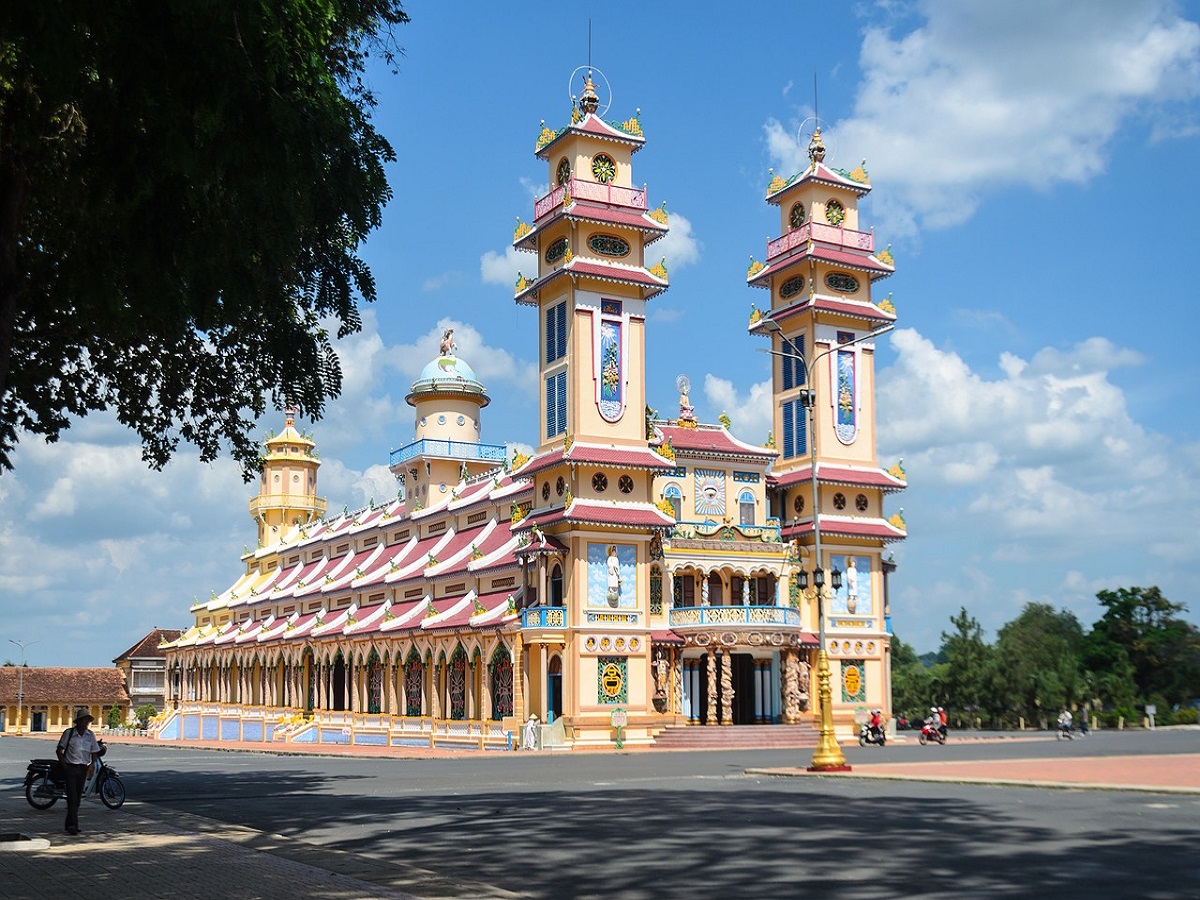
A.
pixel 826 234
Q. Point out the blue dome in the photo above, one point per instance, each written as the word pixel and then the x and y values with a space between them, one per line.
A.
pixel 446 368
pixel 448 374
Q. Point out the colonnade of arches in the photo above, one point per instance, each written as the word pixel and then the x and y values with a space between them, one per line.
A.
pixel 692 585
pixel 445 680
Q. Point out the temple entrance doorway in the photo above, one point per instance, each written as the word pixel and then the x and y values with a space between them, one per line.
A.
pixel 338 700
pixel 742 674
pixel 554 699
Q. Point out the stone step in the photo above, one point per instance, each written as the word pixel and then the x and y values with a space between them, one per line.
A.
pixel 712 737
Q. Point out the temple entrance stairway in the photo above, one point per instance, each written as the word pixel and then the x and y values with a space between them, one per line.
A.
pixel 735 737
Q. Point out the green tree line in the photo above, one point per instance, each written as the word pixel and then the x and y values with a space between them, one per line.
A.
pixel 1141 651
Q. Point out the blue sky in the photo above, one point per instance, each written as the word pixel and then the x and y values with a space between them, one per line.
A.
pixel 1033 169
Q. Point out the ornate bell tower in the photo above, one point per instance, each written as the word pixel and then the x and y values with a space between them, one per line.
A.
pixel 822 321
pixel 593 468
pixel 287 491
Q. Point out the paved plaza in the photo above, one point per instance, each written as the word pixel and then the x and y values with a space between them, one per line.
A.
pixel 986 818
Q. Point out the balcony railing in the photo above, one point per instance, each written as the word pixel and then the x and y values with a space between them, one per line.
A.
pixel 450 449
pixel 826 234
pixel 710 530
pixel 281 501
pixel 544 617
pixel 632 198
pixel 734 615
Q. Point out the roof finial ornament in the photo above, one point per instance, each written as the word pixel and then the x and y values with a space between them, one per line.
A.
pixel 589 102
pixel 289 413
pixel 816 149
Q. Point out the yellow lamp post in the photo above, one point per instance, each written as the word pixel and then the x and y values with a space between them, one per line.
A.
pixel 828 755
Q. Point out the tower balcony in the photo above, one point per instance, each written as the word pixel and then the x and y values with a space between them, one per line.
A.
pixel 826 234
pixel 688 617
pixel 465 450
pixel 593 192
pixel 264 502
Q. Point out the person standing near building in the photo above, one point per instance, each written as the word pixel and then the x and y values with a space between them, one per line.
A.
pixel 77 749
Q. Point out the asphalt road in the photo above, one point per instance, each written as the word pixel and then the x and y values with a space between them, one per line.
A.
pixel 693 825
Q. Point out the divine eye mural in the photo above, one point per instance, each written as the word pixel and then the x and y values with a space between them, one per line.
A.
pixel 612 575
pixel 854 596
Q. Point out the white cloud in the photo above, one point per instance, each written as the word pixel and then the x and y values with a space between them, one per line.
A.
pixel 975 99
pixel 750 415
pixel 680 247
pixel 503 268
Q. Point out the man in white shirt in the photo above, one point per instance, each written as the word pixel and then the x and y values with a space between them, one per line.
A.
pixel 77 749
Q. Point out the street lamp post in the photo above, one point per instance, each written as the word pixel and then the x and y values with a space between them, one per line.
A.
pixel 21 681
pixel 828 755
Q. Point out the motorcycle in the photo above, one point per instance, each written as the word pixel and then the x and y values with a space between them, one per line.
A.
pixel 931 732
pixel 46 783
pixel 869 735
pixel 1066 733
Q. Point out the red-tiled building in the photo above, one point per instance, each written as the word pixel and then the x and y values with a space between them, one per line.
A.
pixel 48 698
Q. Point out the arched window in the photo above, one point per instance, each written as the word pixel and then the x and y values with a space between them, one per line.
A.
pixel 502 683
pixel 746 508
pixel 556 585
pixel 674 496
pixel 715 588
pixel 458 683
pixel 413 684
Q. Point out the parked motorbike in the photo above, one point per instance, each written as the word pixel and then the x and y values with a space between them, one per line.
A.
pixel 869 735
pixel 931 732
pixel 46 783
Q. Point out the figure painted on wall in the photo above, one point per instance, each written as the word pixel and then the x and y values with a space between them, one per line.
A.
pixel 854 596
pixel 612 575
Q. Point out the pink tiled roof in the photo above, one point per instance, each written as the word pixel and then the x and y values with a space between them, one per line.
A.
pixel 604 513
pixel 823 173
pixel 583 211
pixel 665 636
pixel 708 439
pixel 831 474
pixel 850 259
pixel 845 527
pixel 582 454
pixel 596 127
pixel 602 271
pixel 362 561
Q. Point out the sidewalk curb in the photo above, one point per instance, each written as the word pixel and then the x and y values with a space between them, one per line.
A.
pixel 984 780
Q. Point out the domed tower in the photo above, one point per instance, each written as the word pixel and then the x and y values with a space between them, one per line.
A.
pixel 287 491
pixel 447 398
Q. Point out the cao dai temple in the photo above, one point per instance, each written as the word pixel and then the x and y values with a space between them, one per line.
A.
pixel 638 571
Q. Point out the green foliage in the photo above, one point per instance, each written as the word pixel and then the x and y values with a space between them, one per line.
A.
pixel 1037 668
pixel 1140 652
pixel 183 189
pixel 144 714
pixel 115 717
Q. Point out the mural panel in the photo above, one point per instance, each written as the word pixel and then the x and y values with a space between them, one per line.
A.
pixel 854 596
pixel 612 575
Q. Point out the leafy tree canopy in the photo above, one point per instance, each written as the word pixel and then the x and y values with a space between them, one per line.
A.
pixel 183 189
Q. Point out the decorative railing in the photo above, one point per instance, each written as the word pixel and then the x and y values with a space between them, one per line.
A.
pixel 710 530
pixel 276 501
pixel 826 234
pixel 633 198
pixel 734 615
pixel 451 449
pixel 544 617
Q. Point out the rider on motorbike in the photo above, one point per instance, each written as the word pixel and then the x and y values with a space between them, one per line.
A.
pixel 876 722
pixel 1064 721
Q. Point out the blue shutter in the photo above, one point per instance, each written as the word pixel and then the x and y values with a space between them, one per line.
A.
pixel 789 366
pixel 560 315
pixel 551 412
pixel 789 414
pixel 801 430
pixel 561 391
pixel 551 338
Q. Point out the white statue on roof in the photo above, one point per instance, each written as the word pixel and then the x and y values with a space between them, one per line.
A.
pixel 448 346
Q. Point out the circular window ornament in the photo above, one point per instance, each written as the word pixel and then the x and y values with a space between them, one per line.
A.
pixel 604 170
pixel 860 502
pixel 797 216
pixel 841 282
pixel 442 487
pixel 559 486
pixel 462 420
pixel 835 213
pixel 608 245
pixel 546 491
pixel 791 287
pixel 599 482
pixel 798 504
pixel 441 420
pixel 556 251
pixel 563 174
pixel 625 484
pixel 839 500
pixel 422 420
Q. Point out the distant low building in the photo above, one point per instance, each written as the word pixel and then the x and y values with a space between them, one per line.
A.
pixel 46 699
pixel 145 666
